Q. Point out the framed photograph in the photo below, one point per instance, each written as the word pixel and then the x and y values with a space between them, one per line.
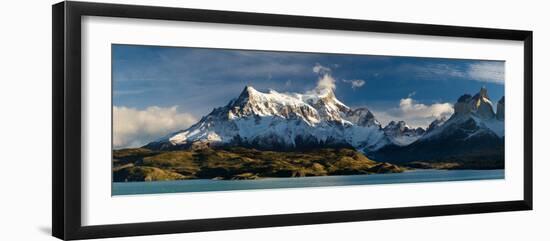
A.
pixel 169 120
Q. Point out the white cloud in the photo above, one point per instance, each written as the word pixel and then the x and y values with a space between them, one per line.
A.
pixel 444 70
pixel 410 108
pixel 321 70
pixel 326 82
pixel 487 72
pixel 355 83
pixel 133 127
pixel 482 71
pixel 413 113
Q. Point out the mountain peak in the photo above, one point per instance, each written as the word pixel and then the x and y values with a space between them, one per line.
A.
pixel 323 92
pixel 464 98
pixel 402 125
pixel 247 91
pixel 473 113
pixel 480 105
pixel 402 134
pixel 483 92
pixel 248 96
pixel 273 120
pixel 482 95
pixel 501 101
pixel 362 117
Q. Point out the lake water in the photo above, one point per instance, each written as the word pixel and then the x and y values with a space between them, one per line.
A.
pixel 206 185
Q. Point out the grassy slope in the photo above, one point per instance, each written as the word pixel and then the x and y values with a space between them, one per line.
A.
pixel 240 163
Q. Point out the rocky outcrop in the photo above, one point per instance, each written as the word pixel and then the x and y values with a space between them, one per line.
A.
pixel 482 105
pixel 479 104
pixel 500 109
pixel 401 134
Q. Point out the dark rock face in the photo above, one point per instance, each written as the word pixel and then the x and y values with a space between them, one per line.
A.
pixel 479 104
pixel 436 123
pixel 500 109
pixel 274 143
pixel 419 131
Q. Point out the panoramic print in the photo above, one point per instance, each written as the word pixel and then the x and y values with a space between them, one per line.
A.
pixel 200 119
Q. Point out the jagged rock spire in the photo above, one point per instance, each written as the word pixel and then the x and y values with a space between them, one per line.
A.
pixel 500 109
pixel 480 104
pixel 483 92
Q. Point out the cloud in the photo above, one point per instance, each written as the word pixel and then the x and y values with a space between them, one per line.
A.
pixel 444 70
pixel 411 109
pixel 133 127
pixel 321 70
pixel 482 71
pixel 355 83
pixel 414 113
pixel 487 72
pixel 326 82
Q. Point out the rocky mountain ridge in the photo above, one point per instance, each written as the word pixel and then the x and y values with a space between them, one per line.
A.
pixel 281 121
pixel 302 121
pixel 474 133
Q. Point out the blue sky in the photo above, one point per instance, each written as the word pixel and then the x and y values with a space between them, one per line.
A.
pixel 192 81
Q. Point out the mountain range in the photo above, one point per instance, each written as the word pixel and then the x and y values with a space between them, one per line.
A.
pixel 317 119
pixel 472 136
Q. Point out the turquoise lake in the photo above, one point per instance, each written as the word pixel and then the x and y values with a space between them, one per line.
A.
pixel 206 185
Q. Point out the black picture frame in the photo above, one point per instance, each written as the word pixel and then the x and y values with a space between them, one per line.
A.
pixel 66 159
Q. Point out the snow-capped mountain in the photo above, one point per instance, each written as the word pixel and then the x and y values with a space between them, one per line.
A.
pixel 473 132
pixel 285 121
pixel 276 120
pixel 401 134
